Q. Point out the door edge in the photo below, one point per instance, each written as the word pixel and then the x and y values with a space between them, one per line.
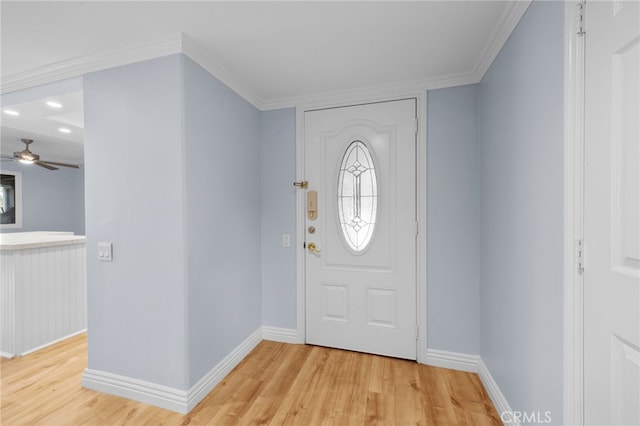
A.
pixel 573 115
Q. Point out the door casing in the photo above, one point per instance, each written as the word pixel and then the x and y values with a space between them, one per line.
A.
pixel 421 202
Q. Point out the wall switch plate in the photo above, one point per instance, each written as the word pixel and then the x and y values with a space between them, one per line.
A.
pixel 286 240
pixel 105 252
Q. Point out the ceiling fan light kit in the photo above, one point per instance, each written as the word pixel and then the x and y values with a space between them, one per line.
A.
pixel 27 157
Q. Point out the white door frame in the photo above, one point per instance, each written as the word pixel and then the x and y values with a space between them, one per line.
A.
pixel 421 203
pixel 574 69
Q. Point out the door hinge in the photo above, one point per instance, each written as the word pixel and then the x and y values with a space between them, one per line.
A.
pixel 579 256
pixel 417 126
pixel 580 10
pixel 417 229
pixel 417 331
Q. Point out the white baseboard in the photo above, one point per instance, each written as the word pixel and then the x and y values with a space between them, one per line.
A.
pixel 166 397
pixel 4 354
pixel 452 360
pixel 224 367
pixel 497 397
pixel 184 401
pixel 474 364
pixel 278 334
pixel 137 390
pixel 53 342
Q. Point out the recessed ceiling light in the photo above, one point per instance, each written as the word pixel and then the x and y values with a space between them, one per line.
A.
pixel 54 104
pixel 11 112
pixel 64 130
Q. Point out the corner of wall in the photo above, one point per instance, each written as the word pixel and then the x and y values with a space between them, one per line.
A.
pixel 495 394
pixel 181 401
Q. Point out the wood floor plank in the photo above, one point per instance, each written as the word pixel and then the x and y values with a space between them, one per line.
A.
pixel 409 395
pixel 343 407
pixel 276 384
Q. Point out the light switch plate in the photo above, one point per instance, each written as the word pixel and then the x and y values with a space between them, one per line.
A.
pixel 286 240
pixel 105 252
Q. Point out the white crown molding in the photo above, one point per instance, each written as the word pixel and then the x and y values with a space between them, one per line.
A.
pixel 495 394
pixel 203 58
pixel 510 17
pixel 179 43
pixel 90 63
pixel 408 88
pixel 452 360
pixel 181 401
pixel 507 23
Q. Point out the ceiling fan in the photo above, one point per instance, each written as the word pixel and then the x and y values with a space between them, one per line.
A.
pixel 26 156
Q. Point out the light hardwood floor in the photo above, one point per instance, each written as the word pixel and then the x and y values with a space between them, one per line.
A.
pixel 276 384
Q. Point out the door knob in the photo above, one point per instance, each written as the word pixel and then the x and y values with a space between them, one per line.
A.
pixel 312 248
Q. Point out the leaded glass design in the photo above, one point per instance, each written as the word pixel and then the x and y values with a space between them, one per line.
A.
pixel 357 196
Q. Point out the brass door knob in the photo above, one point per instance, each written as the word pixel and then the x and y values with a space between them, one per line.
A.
pixel 312 248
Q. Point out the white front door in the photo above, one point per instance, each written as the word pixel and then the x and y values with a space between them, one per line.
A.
pixel 360 232
pixel 612 214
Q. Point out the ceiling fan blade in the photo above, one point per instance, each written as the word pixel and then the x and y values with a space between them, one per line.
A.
pixel 45 165
pixel 60 164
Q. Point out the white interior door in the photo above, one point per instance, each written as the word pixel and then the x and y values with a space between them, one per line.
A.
pixel 360 162
pixel 612 214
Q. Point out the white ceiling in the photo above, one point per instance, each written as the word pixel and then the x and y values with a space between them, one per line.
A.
pixel 42 123
pixel 279 52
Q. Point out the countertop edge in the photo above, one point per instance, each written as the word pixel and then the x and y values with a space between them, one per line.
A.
pixel 31 245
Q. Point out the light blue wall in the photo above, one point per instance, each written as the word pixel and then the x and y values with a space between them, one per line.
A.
pixel 452 220
pixel 134 199
pixel 520 131
pixel 185 282
pixel 278 208
pixel 51 200
pixel 223 230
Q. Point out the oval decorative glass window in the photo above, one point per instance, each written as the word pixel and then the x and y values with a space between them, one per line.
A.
pixel 357 196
